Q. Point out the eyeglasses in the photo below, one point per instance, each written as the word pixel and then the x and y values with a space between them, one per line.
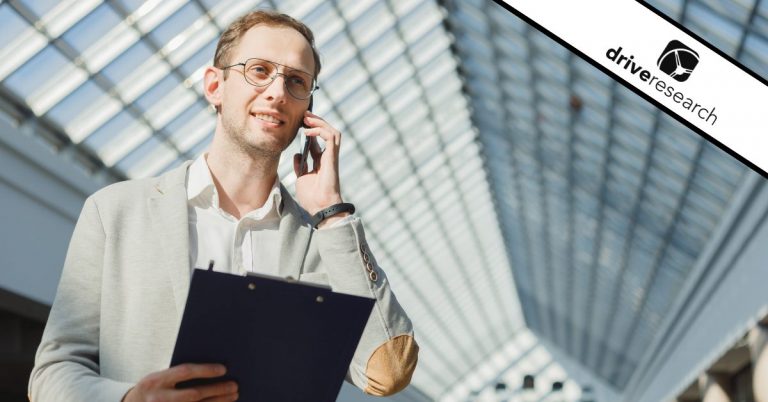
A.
pixel 261 73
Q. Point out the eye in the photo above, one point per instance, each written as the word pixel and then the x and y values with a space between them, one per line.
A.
pixel 258 69
pixel 298 80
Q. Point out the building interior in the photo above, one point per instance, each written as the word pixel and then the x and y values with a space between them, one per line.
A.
pixel 552 235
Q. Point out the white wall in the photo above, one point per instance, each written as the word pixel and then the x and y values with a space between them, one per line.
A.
pixel 40 198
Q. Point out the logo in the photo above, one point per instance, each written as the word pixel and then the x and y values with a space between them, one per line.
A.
pixel 678 60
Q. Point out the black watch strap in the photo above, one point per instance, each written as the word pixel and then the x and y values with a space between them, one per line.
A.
pixel 330 211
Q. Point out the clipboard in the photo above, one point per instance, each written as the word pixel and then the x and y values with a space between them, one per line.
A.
pixel 281 340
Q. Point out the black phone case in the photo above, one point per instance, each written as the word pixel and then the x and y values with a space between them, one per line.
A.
pixel 305 148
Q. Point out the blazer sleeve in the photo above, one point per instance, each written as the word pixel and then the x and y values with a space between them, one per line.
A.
pixel 387 353
pixel 67 360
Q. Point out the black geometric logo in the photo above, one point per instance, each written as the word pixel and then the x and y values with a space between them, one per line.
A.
pixel 678 60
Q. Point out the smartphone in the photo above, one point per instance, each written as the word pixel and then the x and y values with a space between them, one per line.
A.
pixel 307 142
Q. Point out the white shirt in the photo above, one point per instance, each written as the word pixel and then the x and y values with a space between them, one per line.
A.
pixel 236 246
pixel 250 244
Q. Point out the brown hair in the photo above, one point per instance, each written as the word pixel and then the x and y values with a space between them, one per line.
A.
pixel 231 36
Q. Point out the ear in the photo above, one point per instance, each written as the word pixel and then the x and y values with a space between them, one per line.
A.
pixel 212 88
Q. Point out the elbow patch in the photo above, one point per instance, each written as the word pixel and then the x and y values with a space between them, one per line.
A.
pixel 391 366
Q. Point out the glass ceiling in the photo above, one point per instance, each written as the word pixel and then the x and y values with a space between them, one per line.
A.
pixel 605 203
pixel 477 150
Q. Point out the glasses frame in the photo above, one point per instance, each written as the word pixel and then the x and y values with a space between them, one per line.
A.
pixel 314 88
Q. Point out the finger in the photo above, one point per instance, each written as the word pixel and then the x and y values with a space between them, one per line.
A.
pixel 189 371
pixel 223 398
pixel 314 120
pixel 328 134
pixel 202 392
pixel 315 151
pixel 317 155
pixel 332 141
pixel 314 148
pixel 332 149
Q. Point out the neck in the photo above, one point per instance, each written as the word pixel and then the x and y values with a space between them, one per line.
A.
pixel 242 181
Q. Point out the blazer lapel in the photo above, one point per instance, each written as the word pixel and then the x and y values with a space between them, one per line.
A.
pixel 170 223
pixel 295 233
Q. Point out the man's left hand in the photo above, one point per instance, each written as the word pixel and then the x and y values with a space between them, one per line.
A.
pixel 319 188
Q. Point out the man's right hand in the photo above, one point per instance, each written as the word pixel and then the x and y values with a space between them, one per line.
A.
pixel 160 386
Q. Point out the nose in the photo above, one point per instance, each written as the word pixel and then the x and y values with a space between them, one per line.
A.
pixel 276 89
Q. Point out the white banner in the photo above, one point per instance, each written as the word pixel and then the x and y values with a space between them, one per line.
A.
pixel 671 67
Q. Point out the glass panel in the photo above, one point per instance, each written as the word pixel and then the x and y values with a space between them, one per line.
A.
pixel 30 78
pixel 20 41
pixel 65 14
pixel 91 28
pixel 174 24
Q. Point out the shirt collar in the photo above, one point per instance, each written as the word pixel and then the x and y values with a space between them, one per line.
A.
pixel 202 191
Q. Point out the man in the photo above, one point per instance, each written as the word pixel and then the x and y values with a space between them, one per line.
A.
pixel 113 324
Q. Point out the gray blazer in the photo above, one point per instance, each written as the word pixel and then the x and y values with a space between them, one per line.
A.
pixel 125 281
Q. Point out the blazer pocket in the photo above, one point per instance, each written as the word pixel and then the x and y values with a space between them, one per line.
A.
pixel 320 278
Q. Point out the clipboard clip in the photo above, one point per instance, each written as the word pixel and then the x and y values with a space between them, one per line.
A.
pixel 287 279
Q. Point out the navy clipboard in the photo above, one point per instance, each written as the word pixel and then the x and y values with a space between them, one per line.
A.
pixel 280 340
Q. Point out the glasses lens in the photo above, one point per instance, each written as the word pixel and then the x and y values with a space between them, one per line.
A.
pixel 259 72
pixel 299 84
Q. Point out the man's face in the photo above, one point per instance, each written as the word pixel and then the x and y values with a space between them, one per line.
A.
pixel 264 120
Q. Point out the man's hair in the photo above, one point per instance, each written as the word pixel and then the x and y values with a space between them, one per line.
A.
pixel 235 31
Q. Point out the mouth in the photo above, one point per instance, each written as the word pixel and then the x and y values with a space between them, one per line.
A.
pixel 268 118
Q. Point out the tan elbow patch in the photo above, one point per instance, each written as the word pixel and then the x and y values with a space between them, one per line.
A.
pixel 391 366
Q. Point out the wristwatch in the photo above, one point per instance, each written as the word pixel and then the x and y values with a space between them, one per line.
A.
pixel 330 211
